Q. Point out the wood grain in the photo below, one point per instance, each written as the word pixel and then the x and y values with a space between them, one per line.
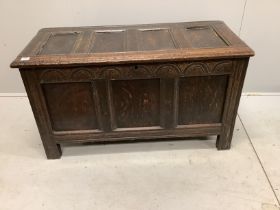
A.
pixel 136 102
pixel 140 82
pixel 201 99
pixel 135 43
pixel 70 106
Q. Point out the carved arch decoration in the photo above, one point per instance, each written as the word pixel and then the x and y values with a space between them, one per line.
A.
pixel 196 68
pixel 140 71
pixel 110 73
pixel 168 70
pixel 52 75
pixel 81 74
pixel 223 67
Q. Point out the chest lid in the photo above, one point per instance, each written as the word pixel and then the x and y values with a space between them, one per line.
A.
pixel 128 44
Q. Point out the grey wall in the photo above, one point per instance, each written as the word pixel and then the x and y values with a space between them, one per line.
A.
pixel 20 20
pixel 261 29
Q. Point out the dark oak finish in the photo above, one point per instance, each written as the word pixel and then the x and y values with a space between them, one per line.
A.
pixel 114 83
pixel 201 99
pixel 70 106
pixel 136 102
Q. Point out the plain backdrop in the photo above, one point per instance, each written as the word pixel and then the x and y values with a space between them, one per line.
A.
pixel 256 21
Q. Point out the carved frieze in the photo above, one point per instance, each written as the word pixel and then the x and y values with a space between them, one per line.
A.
pixel 170 70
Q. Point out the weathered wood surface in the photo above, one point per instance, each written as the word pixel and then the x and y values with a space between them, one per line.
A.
pixel 135 43
pixel 104 84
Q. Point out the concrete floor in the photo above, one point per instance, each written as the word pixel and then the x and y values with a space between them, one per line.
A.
pixel 142 176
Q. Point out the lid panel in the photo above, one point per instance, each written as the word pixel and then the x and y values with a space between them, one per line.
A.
pixel 59 43
pixel 109 41
pixel 131 44
pixel 203 37
pixel 155 39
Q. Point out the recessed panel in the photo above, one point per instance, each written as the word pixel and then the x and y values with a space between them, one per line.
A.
pixel 155 39
pixel 201 99
pixel 109 41
pixel 203 37
pixel 70 106
pixel 59 43
pixel 136 102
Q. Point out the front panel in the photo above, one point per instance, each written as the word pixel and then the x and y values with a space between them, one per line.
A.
pixel 70 106
pixel 136 103
pixel 201 99
pixel 111 101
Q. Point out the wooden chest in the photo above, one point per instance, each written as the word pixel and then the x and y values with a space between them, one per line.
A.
pixel 116 83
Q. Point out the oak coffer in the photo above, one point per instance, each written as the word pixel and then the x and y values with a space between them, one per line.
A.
pixel 119 83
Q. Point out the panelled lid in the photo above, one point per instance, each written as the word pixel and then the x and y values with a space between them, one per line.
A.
pixel 135 43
